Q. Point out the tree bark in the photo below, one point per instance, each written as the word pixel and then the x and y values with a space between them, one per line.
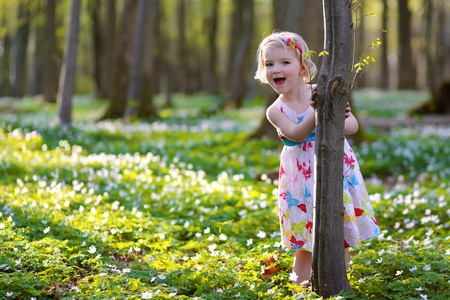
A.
pixel 134 87
pixel 147 109
pixel 183 61
pixel 35 78
pixel 108 50
pixel 5 67
pixel 212 21
pixel 50 88
pixel 239 64
pixel 407 72
pixel 120 78
pixel 97 42
pixel 20 65
pixel 235 31
pixel 67 77
pixel 384 75
pixel 329 275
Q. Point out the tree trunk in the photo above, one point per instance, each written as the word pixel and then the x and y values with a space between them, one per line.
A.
pixel 384 75
pixel 108 49
pixel 97 42
pixel 239 64
pixel 212 21
pixel 50 88
pixel 407 72
pixel 67 77
pixel 235 31
pixel 38 35
pixel 183 61
pixel 158 63
pixel 329 275
pixel 147 109
pixel 5 68
pixel 19 75
pixel 120 77
pixel 134 87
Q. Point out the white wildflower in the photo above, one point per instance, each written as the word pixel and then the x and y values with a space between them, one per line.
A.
pixel 261 234
pixel 293 276
pixel 147 295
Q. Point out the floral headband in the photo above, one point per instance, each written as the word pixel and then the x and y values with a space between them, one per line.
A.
pixel 292 42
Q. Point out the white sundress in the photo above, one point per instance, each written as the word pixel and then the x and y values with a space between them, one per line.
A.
pixel 296 188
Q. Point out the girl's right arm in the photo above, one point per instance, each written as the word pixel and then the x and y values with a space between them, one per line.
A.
pixel 294 132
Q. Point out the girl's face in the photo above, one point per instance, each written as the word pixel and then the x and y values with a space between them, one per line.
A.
pixel 283 69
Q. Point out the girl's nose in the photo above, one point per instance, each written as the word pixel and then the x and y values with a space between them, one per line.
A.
pixel 276 69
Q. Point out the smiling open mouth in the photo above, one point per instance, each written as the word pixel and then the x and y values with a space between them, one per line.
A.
pixel 279 81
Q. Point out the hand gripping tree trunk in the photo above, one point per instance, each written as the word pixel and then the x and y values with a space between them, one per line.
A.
pixel 329 275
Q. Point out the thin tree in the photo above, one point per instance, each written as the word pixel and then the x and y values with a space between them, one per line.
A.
pixel 67 78
pixel 21 44
pixel 97 41
pixel 239 64
pixel 120 77
pixel 5 62
pixel 384 74
pixel 50 85
pixel 147 109
pixel 109 37
pixel 329 275
pixel 406 69
pixel 134 87
pixel 212 22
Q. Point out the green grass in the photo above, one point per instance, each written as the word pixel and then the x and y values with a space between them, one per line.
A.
pixel 377 103
pixel 173 209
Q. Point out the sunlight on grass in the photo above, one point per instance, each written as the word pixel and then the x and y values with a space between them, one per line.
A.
pixel 377 103
pixel 173 209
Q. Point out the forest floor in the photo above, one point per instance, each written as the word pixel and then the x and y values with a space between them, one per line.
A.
pixel 386 123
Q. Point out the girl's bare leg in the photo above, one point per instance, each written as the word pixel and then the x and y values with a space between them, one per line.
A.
pixel 302 266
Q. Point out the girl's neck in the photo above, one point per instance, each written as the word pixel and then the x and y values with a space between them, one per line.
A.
pixel 299 94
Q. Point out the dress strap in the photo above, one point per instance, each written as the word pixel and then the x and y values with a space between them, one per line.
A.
pixel 290 143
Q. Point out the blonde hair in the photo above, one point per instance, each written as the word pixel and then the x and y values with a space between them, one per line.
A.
pixel 287 40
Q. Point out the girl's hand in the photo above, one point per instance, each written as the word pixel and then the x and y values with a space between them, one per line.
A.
pixel 313 98
pixel 348 111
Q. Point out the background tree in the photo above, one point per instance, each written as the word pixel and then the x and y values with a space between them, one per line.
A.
pixel 98 53
pixel 5 61
pixel 120 78
pixel 136 102
pixel 211 23
pixel 329 276
pixel 21 44
pixel 50 84
pixel 69 64
pixel 384 64
pixel 406 69
pixel 109 38
pixel 240 59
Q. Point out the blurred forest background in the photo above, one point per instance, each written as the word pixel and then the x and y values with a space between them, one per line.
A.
pixel 127 51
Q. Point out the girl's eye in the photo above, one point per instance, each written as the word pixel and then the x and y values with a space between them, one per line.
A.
pixel 269 64
pixel 285 62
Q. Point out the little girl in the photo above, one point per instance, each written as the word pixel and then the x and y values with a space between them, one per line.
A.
pixel 282 64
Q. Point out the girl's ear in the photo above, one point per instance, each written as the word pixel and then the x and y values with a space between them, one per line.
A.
pixel 302 70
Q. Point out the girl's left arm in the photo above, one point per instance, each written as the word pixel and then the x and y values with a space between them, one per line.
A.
pixel 351 124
